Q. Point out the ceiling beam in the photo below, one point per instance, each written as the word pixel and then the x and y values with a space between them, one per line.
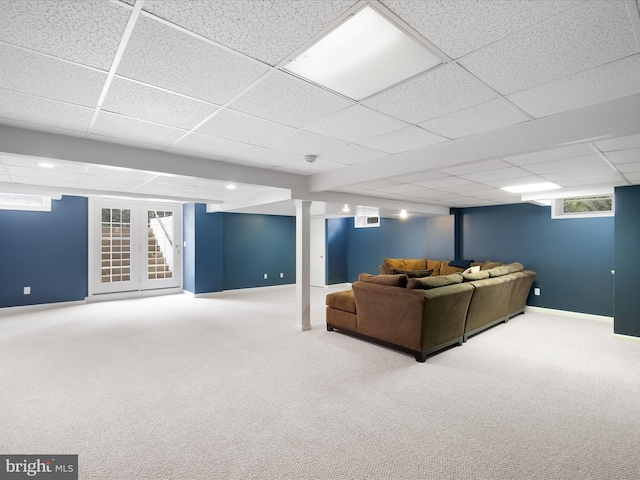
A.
pixel 74 149
pixel 604 120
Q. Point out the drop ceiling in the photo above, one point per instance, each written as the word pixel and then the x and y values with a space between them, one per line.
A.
pixel 175 99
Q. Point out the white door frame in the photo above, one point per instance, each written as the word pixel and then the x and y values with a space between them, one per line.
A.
pixel 96 290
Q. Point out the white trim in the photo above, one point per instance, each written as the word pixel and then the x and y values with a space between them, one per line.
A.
pixel 40 306
pixel 105 297
pixel 625 338
pixel 566 313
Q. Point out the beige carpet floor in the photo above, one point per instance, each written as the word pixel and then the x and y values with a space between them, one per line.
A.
pixel 225 387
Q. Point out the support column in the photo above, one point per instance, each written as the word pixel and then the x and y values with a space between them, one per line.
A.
pixel 303 264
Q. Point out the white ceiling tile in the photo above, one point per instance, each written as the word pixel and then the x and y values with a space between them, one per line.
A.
pixel 219 147
pixel 419 177
pixel 633 177
pixel 86 32
pixel 52 174
pixel 551 154
pixel 581 174
pixel 98 173
pixel 143 102
pixel 25 108
pixel 610 180
pixel 128 142
pixel 266 30
pixel 4 178
pixel 375 184
pixel 165 57
pixel 624 156
pixel 285 99
pixel 510 182
pixel 467 189
pixel 350 154
pixel 111 184
pixel 479 118
pixel 404 139
pixel 355 123
pixel 305 143
pixel 510 172
pixel 441 91
pixel 118 126
pixel 442 182
pixel 306 168
pixel 243 128
pixel 592 34
pixel 567 164
pixel 619 143
pixel 32 162
pixel 607 82
pixel 401 188
pixel 626 168
pixel 47 182
pixel 460 27
pixel 22 71
pixel 40 128
pixel 475 167
pixel 268 157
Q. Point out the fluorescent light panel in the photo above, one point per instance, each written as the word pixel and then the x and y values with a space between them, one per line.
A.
pixel 364 55
pixel 532 187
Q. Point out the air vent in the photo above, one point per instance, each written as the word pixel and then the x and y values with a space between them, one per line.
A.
pixel 366 222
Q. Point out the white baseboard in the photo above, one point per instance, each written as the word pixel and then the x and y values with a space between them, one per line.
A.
pixel 566 313
pixel 40 306
pixel 105 297
pixel 625 338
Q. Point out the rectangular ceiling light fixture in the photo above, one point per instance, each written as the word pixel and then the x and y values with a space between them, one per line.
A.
pixel 532 187
pixel 364 55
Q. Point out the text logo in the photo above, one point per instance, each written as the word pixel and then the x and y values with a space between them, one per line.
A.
pixel 45 467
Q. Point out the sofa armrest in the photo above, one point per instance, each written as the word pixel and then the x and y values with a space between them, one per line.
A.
pixel 445 314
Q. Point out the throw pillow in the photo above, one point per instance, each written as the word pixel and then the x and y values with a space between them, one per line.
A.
pixel 413 273
pixel 470 277
pixel 389 280
pixel 434 282
pixel 472 269
pixel 489 265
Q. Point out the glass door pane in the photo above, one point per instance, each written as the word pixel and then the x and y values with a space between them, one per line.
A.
pixel 162 247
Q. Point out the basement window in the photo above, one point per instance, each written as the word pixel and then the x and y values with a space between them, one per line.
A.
pixel 583 207
pixel 18 201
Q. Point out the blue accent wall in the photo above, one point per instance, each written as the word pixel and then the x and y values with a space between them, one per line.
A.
pixel 627 261
pixel 441 237
pixel 46 251
pixel 203 254
pixel 255 245
pixel 395 238
pixel 336 262
pixel 573 258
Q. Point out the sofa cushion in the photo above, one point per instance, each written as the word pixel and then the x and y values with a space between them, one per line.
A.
pixel 470 277
pixel 434 282
pixel 344 301
pixel 498 271
pixel 389 280
pixel 405 264
pixel 515 267
pixel 447 269
pixel 435 266
pixel 488 265
pixel 413 273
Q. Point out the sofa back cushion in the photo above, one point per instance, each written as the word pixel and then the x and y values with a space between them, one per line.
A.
pixel 488 265
pixel 447 269
pixel 389 280
pixel 434 282
pixel 434 265
pixel 498 271
pixel 405 264
pixel 515 267
pixel 412 273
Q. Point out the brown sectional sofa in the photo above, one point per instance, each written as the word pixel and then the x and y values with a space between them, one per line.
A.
pixel 424 315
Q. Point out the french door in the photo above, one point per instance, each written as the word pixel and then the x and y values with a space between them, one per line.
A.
pixel 133 246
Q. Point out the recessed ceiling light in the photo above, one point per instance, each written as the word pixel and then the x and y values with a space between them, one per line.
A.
pixel 346 208
pixel 403 214
pixel 47 165
pixel 362 56
pixel 532 187
pixel 231 186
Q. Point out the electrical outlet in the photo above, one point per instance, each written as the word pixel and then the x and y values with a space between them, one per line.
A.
pixel 265 276
pixel 281 275
pixel 27 290
pixel 536 291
